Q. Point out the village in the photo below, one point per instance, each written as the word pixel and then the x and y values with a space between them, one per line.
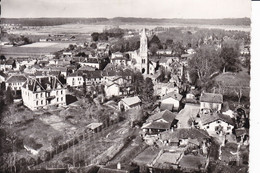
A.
pixel 144 104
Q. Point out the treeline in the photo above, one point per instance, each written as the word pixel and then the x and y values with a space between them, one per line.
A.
pixel 50 21
pixel 225 21
pixel 61 21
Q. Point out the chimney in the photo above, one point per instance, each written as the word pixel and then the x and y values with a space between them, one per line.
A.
pixel 118 165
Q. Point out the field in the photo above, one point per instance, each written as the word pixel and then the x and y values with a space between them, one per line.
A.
pixel 37 48
pixel 88 29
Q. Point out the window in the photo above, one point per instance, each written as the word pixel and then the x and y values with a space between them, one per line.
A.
pixel 57 92
pixel 41 94
pixel 37 103
pixel 42 102
pixel 36 95
pixel 228 128
pixel 218 122
pixel 61 98
pixel 60 92
pixel 57 99
pixel 207 126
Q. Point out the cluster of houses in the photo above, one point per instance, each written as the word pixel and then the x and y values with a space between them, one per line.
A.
pixel 182 127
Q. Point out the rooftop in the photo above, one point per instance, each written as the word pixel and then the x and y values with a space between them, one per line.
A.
pixel 173 95
pixel 131 100
pixel 16 78
pixel 211 97
pixel 206 119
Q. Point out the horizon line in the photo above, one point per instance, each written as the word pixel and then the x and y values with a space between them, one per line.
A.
pixel 123 17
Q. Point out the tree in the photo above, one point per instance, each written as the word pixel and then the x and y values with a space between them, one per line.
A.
pixel 155 40
pixel 148 90
pixel 137 81
pixel 2 57
pixel 153 48
pixel 9 99
pixel 205 62
pixel 230 59
pixel 95 36
pixel 93 45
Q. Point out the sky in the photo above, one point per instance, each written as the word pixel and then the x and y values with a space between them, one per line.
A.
pixel 207 9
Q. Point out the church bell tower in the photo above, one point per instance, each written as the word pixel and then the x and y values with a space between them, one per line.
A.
pixel 144 53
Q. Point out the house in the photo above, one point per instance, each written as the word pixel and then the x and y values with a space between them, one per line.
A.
pixel 95 127
pixel 159 122
pixel 93 77
pixel 185 136
pixel 242 135
pixel 93 62
pixel 75 80
pixel 112 89
pixel 211 101
pixel 15 82
pixel 3 77
pixel 217 123
pixel 119 61
pixel 67 54
pixel 117 55
pixel 119 168
pixel 190 51
pixel 130 103
pixel 7 65
pixel 164 52
pixel 171 101
pixel 43 92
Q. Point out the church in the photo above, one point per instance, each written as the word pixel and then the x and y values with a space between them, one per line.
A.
pixel 140 58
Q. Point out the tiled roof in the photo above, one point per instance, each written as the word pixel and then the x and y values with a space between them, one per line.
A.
pixel 42 83
pixel 16 78
pixel 3 74
pixel 207 119
pixel 173 95
pixel 131 100
pixel 211 97
pixel 166 115
pixel 185 133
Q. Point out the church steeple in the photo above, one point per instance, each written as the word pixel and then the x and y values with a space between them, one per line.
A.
pixel 144 52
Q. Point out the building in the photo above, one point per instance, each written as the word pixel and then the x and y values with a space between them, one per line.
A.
pixel 159 122
pixel 3 77
pixel 119 168
pixel 67 54
pixel 38 93
pixel 217 123
pixel 75 80
pixel 130 103
pixel 211 101
pixel 92 62
pixel 171 101
pixel 112 89
pixel 15 82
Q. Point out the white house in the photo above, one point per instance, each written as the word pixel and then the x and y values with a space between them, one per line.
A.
pixel 42 92
pixel 93 62
pixel 217 124
pixel 15 82
pixel 112 89
pixel 211 101
pixel 171 101
pixel 67 54
pixel 75 80
pixel 116 55
pixel 130 103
